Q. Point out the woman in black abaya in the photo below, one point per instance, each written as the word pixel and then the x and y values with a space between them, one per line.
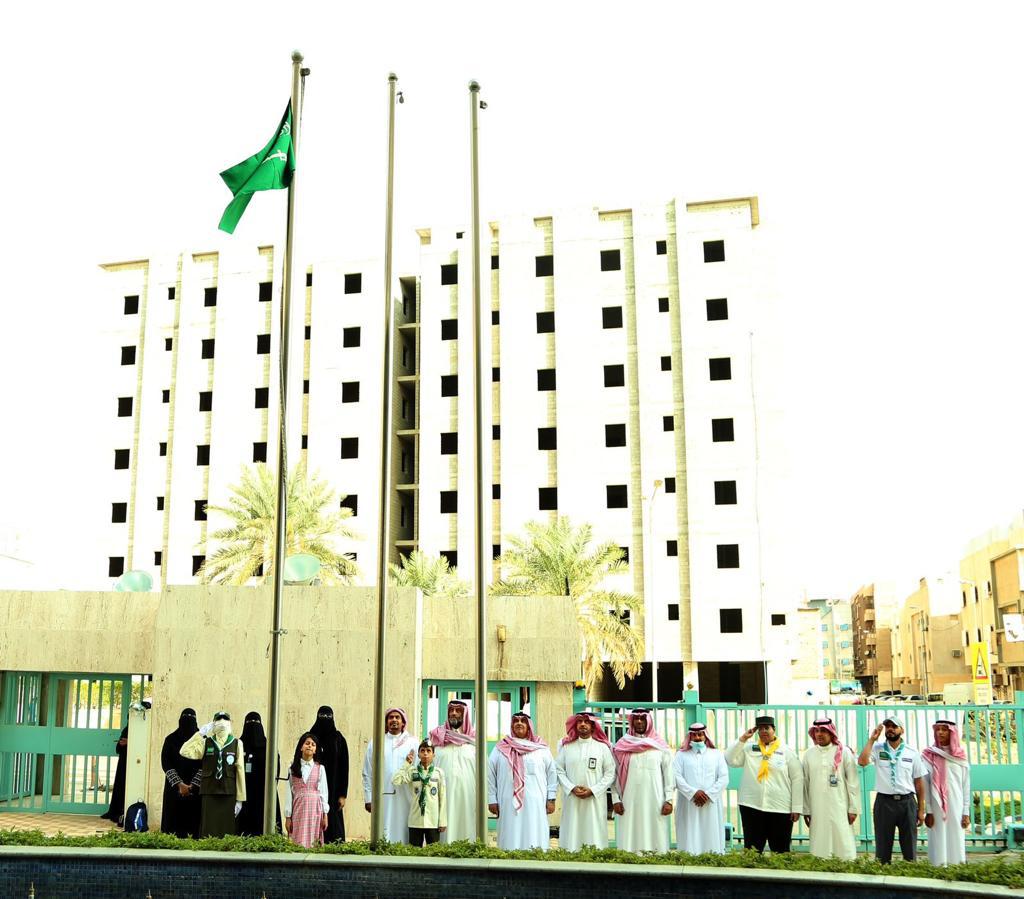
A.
pixel 181 809
pixel 254 746
pixel 334 759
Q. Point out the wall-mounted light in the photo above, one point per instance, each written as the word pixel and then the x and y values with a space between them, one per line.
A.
pixel 502 633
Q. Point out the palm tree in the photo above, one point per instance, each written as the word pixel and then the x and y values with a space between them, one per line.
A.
pixel 247 544
pixel 431 575
pixel 556 559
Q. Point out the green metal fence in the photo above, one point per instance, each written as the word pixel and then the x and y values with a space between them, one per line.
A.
pixel 989 733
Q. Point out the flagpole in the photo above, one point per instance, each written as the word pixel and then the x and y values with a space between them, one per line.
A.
pixel 377 798
pixel 270 779
pixel 482 546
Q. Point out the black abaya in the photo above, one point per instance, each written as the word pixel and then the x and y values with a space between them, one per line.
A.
pixel 334 759
pixel 254 745
pixel 180 814
pixel 115 812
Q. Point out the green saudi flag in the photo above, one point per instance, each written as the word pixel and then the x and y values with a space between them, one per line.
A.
pixel 270 169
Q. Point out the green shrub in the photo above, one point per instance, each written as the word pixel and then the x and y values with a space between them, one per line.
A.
pixel 1007 870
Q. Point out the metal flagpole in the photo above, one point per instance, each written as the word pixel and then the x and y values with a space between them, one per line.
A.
pixel 482 544
pixel 270 780
pixel 377 804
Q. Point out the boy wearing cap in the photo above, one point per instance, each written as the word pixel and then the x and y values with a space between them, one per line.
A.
pixel 771 797
pixel 899 786
pixel 222 783
pixel 948 802
pixel 831 793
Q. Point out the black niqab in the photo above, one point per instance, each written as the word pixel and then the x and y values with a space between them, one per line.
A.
pixel 334 760
pixel 180 814
pixel 253 736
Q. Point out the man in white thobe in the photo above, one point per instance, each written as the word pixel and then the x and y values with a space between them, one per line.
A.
pixel 701 776
pixel 948 795
pixel 454 745
pixel 585 769
pixel 521 787
pixel 644 786
pixel 831 793
pixel 396 803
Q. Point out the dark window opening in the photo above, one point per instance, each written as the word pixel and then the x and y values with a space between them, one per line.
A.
pixel 718 309
pixel 725 493
pixel 159 504
pixel 115 566
pixel 673 611
pixel 494 262
pixel 547 498
pixel 611 317
pixel 205 400
pixel 722 430
pixel 545 322
pixel 670 485
pixel 262 397
pixel 351 502
pixel 666 363
pixel 671 547
pixel 197 564
pixel 495 374
pixel 266 291
pixel 495 491
pixel 119 513
pixel 660 247
pixel 203 454
pixel 728 555
pixel 163 448
pixel 158 558
pixel 714 251
pixel 547 438
pixel 350 392
pixel 209 296
pixel 611 260
pixel 168 343
pixel 449 329
pixel 207 348
pixel 200 510
pixel 663 304
pixel 349 447
pixel 262 344
pixel 131 305
pixel 730 621
pixel 449 385
pixel 614 435
pixel 545 379
pixel 449 443
pixel 778 619
pixel 171 293
pixel 354 282
pixel 121 457
pixel 495 316
pixel 165 396
pixel 614 376
pixel 350 337
pixel 450 273
pixel 307 332
pixel 668 423
pixel 545 266
pixel 450 556
pixel 127 355
pixel 449 501
pixel 495 432
pixel 259 452
pixel 720 369
pixel 124 406
pixel 616 496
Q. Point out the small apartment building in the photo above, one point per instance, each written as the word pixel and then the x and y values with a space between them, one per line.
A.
pixel 630 386
pixel 928 652
pixel 835 628
pixel 991 579
pixel 871 610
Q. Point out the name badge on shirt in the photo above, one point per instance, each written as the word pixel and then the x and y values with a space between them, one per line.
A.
pixel 592 764
pixel 755 748
pixel 433 791
pixel 833 780
pixel 884 755
pixel 248 767
pixel 231 759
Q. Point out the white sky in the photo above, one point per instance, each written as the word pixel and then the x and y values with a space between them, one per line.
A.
pixel 883 140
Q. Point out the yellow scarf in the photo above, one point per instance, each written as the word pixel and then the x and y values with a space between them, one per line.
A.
pixel 766 754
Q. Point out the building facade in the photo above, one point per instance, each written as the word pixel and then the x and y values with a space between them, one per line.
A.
pixel 991 575
pixel 872 609
pixel 631 356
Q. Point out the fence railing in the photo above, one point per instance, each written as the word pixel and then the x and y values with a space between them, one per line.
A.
pixel 990 734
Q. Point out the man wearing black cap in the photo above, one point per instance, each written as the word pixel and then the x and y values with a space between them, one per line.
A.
pixel 771 796
pixel 899 785
pixel 222 784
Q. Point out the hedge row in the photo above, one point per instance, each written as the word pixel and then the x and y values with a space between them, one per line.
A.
pixel 1007 870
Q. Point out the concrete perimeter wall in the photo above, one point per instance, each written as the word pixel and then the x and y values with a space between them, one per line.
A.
pixel 209 647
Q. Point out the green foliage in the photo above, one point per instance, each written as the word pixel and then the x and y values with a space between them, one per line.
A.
pixel 1007 870
pixel 431 575
pixel 557 559
pixel 248 542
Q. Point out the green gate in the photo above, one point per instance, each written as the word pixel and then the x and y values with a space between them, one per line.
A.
pixel 57 739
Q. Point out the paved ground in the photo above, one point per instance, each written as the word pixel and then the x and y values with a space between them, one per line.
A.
pixel 50 824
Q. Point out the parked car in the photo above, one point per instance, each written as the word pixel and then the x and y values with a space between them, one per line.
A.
pixel 935 699
pixel 915 699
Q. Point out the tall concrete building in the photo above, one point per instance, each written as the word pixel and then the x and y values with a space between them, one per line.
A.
pixel 872 608
pixel 632 357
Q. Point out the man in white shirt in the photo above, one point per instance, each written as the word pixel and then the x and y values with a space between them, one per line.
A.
pixel 771 796
pixel 585 769
pixel 948 805
pixel 644 786
pixel 899 786
pixel 397 743
pixel 701 776
pixel 831 793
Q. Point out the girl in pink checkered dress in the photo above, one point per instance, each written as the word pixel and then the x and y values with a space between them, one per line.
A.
pixel 307 804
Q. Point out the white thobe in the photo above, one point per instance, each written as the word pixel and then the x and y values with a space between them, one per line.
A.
pixel 459 766
pixel 829 803
pixel 649 786
pixel 397 802
pixel 525 828
pixel 700 829
pixel 946 843
pixel 584 763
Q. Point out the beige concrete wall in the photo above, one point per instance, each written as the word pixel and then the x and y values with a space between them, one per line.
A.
pixel 110 633
pixel 541 638
pixel 209 648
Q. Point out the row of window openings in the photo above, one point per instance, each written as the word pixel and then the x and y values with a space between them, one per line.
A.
pixel 611 261
pixel 353 284
pixel 616 497
pixel 719 369
pixel 717 310
pixel 730 621
pixel 722 430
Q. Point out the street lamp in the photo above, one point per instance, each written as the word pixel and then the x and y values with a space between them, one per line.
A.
pixel 924 646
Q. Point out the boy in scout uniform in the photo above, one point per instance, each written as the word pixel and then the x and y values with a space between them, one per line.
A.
pixel 428 814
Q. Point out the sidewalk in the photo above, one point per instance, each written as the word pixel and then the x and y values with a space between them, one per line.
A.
pixel 52 824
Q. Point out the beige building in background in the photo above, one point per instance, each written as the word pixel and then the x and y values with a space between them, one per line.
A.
pixel 872 609
pixel 991 573
pixel 927 648
pixel 207 647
